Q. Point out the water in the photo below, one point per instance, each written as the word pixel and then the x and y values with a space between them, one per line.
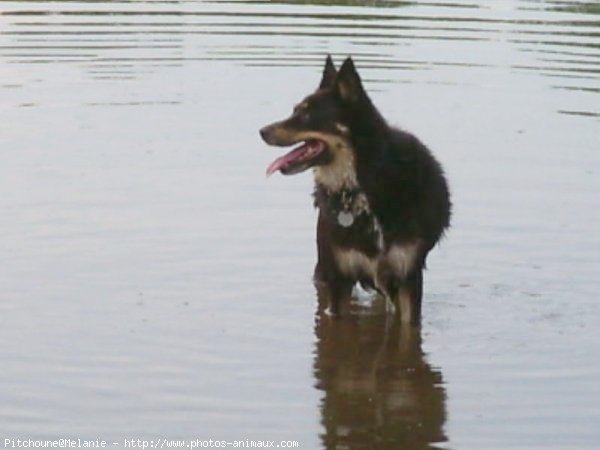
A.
pixel 153 284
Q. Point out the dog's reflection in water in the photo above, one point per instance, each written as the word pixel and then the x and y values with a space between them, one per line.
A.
pixel 379 392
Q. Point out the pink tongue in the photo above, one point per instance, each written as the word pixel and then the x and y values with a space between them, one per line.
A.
pixel 288 158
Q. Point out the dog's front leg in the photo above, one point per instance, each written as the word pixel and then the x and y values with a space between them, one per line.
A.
pixel 333 288
pixel 333 294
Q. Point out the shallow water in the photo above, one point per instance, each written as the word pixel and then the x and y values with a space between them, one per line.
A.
pixel 154 284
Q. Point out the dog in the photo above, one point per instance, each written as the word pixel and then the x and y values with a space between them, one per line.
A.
pixel 382 197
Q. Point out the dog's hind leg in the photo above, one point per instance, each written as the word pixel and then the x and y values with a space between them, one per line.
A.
pixel 405 294
pixel 417 294
pixel 399 273
pixel 408 298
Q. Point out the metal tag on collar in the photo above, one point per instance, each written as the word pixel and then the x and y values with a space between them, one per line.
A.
pixel 345 218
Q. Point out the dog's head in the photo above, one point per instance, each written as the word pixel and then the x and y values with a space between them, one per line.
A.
pixel 321 122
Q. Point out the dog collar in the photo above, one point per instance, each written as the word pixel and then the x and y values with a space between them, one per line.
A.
pixel 345 215
pixel 343 206
pixel 345 218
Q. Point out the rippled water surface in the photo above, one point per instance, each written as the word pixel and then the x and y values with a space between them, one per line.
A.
pixel 153 283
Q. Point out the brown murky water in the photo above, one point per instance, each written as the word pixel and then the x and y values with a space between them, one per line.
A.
pixel 154 285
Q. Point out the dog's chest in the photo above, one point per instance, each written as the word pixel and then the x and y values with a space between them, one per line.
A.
pixel 357 239
pixel 354 231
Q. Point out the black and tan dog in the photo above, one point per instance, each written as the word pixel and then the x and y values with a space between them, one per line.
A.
pixel 382 197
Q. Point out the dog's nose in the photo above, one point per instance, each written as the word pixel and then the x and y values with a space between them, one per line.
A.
pixel 264 132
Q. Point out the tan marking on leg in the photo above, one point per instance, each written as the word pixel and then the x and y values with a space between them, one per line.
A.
pixel 404 305
pixel 353 263
pixel 402 257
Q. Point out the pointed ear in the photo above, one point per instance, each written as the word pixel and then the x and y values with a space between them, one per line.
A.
pixel 329 73
pixel 347 83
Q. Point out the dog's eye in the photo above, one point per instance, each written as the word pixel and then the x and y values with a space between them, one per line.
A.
pixel 301 111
